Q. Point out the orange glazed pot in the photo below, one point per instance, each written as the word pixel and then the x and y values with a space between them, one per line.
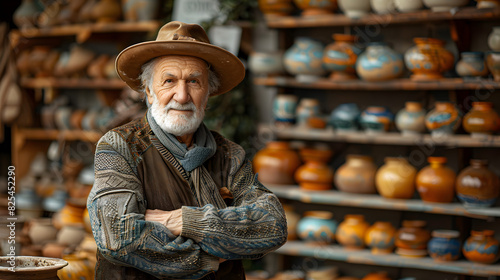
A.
pixel 313 7
pixel 477 186
pixel 436 182
pixel 380 237
pixel 481 120
pixel 396 178
pixel 379 275
pixel 315 174
pixel 412 238
pixel 276 163
pixel 356 175
pixel 428 60
pixel 481 247
pixel 340 57
pixel 351 232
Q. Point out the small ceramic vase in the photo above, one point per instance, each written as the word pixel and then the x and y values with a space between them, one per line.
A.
pixel 276 163
pixel 396 178
pixel 292 219
pixel 31 267
pixel 381 237
pixel 477 186
pixel 494 39
pixel 41 231
pixel 481 121
pixel 317 227
pixel 486 4
pixel 340 57
pixel 140 10
pixel 304 59
pixel 307 108
pixel 444 245
pixel 71 234
pixel 481 247
pixel 428 59
pixel 444 5
pixel 383 7
pixel 378 275
pixel 76 118
pixel 314 8
pixel 315 174
pixel 56 201
pixel 76 63
pixel 436 182
pixel 376 119
pixel 284 107
pixel 412 238
pixel 472 65
pixel 406 6
pixel 351 231
pixel 95 69
pixel 379 63
pixel 355 9
pixel 493 63
pixel 105 11
pixel 356 175
pixel 25 16
pixel 78 268
pixel 444 119
pixel 276 7
pixel 345 117
pixel 266 63
pixel 411 119
pixel 62 117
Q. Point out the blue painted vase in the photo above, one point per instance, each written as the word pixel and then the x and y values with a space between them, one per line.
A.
pixel 305 59
pixel 284 108
pixel 345 117
pixel 471 65
pixel 376 119
pixel 443 119
pixel 481 247
pixel 340 57
pixel 307 108
pixel 444 245
pixel 379 63
pixel 381 237
pixel 411 119
pixel 317 226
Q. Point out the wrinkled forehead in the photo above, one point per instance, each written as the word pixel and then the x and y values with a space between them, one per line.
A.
pixel 181 63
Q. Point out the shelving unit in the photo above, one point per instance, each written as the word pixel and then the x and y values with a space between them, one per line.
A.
pixel 84 83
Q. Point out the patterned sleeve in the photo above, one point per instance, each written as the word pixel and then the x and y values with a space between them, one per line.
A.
pixel 254 225
pixel 116 207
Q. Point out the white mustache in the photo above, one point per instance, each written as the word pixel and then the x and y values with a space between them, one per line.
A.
pixel 181 107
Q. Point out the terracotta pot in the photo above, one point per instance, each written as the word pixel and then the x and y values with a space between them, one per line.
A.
pixel 380 237
pixel 96 67
pixel 351 232
pixel 307 108
pixel 444 5
pixel 314 8
pixel 276 163
pixel 29 267
pixel 412 238
pixel 276 7
pixel 494 39
pixel 266 63
pixel 486 4
pixel 481 247
pixel 436 182
pixel 444 119
pixel 304 59
pixel 379 275
pixel 107 11
pixel 78 268
pixel 292 219
pixel 376 119
pixel 493 63
pixel 406 6
pixel 42 231
pixel 356 8
pixel 345 117
pixel 317 227
pixel 477 186
pixel 76 63
pixel 481 120
pixel 428 60
pixel 444 245
pixel 315 174
pixel 411 119
pixel 356 175
pixel 383 7
pixel 396 178
pixel 472 65
pixel 340 57
pixel 379 63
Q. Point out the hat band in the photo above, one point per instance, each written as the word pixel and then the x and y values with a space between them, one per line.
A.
pixel 183 38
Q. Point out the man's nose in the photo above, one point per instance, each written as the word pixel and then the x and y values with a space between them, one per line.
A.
pixel 182 93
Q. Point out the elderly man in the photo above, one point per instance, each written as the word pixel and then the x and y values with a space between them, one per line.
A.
pixel 171 199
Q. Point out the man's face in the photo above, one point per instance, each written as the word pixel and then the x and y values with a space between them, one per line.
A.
pixel 179 93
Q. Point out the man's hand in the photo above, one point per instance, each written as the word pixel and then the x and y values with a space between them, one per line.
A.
pixel 171 219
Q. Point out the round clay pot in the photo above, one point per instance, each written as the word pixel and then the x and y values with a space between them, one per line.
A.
pixel 396 178
pixel 356 175
pixel 107 11
pixel 378 275
pixel 304 59
pixel 70 214
pixel 444 119
pixel 444 245
pixel 477 186
pixel 436 182
pixel 78 267
pixel 345 118
pixel 42 231
pixel 266 63
pixel 71 234
pixel 380 237
pixel 276 163
pixel 379 63
pixel 383 7
pixel 356 8
pixel 481 120
pixel 284 108
pixel 411 119
pixel 494 39
pixel 493 63
pixel 472 65
pixel 376 119
pixel 340 57
pixel 96 67
pixel 412 238
pixel 30 267
pixel 317 227
pixel 444 5
pixel 76 63
pixel 276 7
pixel 292 219
pixel 314 8
pixel 351 231
pixel 428 59
pixel 315 174
pixel 406 6
pixel 307 108
pixel 481 247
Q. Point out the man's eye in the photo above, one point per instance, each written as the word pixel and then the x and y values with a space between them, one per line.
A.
pixel 168 81
pixel 193 81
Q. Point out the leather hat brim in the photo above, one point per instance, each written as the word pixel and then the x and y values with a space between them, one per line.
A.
pixel 229 69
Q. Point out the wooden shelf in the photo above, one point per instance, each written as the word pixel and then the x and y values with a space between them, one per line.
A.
pixel 375 201
pixel 388 138
pixel 53 134
pixel 399 84
pixel 338 253
pixel 423 16
pixel 83 83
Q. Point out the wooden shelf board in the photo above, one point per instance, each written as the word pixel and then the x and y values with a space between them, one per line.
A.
pixel 388 138
pixel 53 134
pixel 83 83
pixel 375 201
pixel 399 84
pixel 338 253
pixel 466 13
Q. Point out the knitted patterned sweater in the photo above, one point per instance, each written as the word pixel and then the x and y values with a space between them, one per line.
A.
pixel 133 173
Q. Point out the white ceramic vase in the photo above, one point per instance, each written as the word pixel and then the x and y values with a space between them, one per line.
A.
pixel 355 8
pixel 383 6
pixel 444 5
pixel 266 63
pixel 494 39
pixel 406 6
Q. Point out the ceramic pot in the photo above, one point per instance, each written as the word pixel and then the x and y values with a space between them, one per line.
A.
pixel 411 119
pixel 436 182
pixel 304 59
pixel 276 163
pixel 412 238
pixel 307 108
pixel 314 8
pixel 41 231
pixel 56 201
pixel 378 275
pixel 54 250
pixel 444 119
pixel 494 39
pixel 85 13
pixel 381 237
pixel 471 65
pixel 266 63
pixel 444 245
pixel 96 68
pixel 140 10
pixel 76 63
pixel 379 63
pixel 276 7
pixel 317 226
pixel 486 4
pixel 481 247
pixel 30 267
pixel 351 231
pixel 106 11
pixel 76 118
pixel 396 178
pixel 78 268
pixel 315 174
pixel 406 6
pixel 28 204
pixel 284 107
pixel 444 5
pixel 49 64
pixel 383 7
pixel 62 117
pixel 345 117
pixel 356 8
pixel 70 214
pixel 71 234
pixel 356 175
pixel 292 220
pixel 376 119
pixel 340 57
pixel 26 15
pixel 428 59
pixel 477 186
pixel 481 120
pixel 493 63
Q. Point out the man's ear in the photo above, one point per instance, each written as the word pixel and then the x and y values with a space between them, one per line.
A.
pixel 148 95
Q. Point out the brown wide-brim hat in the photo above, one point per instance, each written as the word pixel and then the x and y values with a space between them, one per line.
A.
pixel 178 38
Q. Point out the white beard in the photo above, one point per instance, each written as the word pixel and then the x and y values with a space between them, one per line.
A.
pixel 177 124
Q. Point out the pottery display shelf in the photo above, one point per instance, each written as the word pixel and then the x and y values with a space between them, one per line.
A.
pixel 80 83
pixel 387 138
pixel 375 201
pixel 467 13
pixel 364 256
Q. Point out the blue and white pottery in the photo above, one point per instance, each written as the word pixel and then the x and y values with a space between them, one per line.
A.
pixel 317 226
pixel 472 64
pixel 411 119
pixel 345 117
pixel 266 63
pixel 379 63
pixel 308 107
pixel 444 245
pixel 305 59
pixel 56 201
pixel 284 107
pixel 376 119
